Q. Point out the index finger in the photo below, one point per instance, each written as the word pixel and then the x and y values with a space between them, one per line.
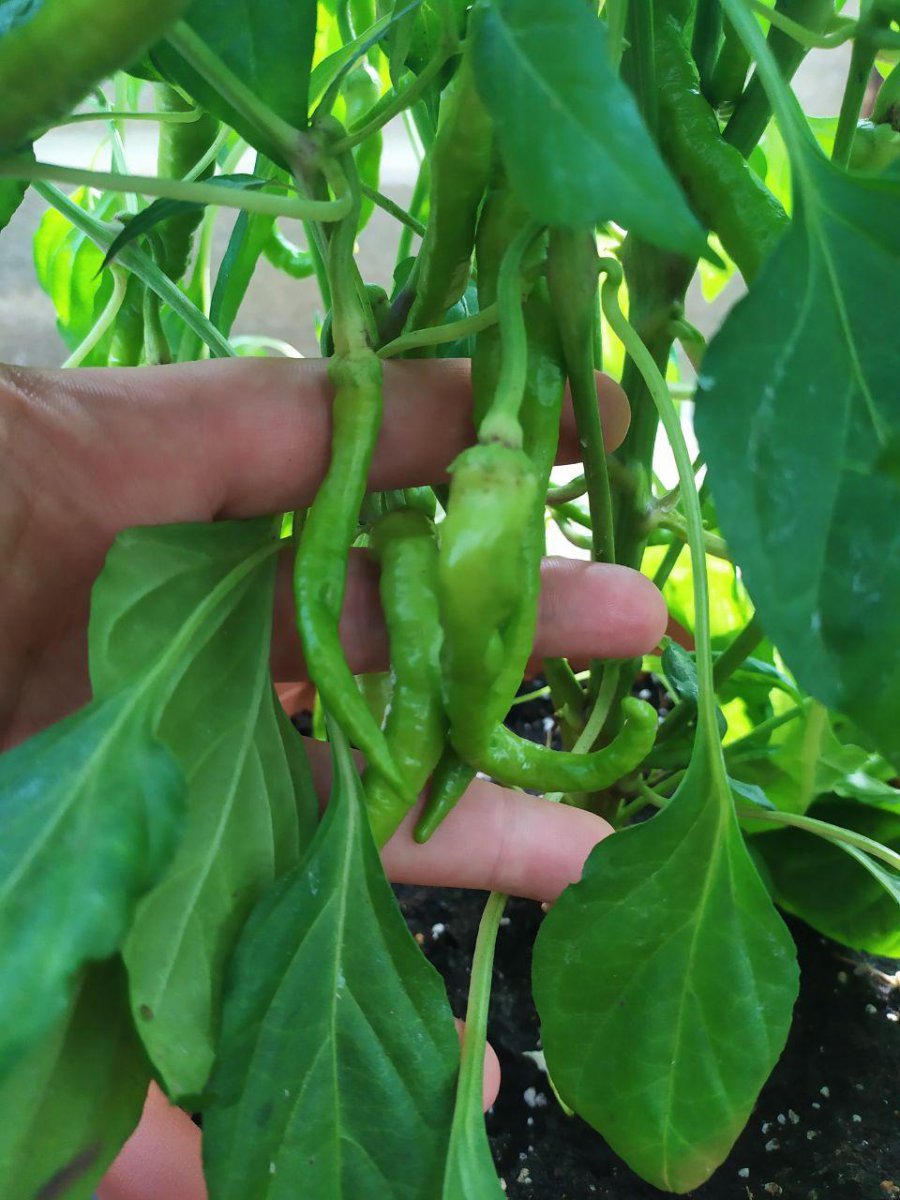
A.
pixel 248 437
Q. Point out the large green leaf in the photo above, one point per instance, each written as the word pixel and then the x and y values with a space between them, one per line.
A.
pixel 69 1104
pixel 850 897
pixel 268 46
pixel 90 811
pixel 572 140
pixel 338 1052
pixel 251 806
pixel 665 982
pixel 798 414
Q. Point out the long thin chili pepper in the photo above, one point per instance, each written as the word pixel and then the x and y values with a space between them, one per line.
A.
pixel 320 572
pixel 415 727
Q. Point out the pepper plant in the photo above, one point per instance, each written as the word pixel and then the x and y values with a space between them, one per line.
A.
pixel 171 905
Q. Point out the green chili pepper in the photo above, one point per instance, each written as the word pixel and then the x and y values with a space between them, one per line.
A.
pixel 378 302
pixel 724 191
pixel 320 571
pixel 415 726
pixel 752 112
pixel 320 574
pixel 730 72
pixel 449 781
pixel 127 345
pixel 49 62
pixel 460 165
pixel 285 256
pixel 181 146
pixel 518 762
pixel 361 91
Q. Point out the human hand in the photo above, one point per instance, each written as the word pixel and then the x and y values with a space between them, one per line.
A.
pixel 90 453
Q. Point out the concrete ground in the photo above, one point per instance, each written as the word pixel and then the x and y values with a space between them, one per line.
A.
pixel 277 306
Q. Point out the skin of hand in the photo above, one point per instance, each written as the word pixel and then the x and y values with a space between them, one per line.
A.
pixel 89 453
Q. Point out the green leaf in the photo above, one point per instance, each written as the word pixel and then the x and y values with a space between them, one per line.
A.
pixel 268 46
pixel 163 210
pixel 90 810
pixel 338 1052
pixel 572 140
pixel 665 982
pixel 12 191
pixel 68 268
pixel 798 400
pixel 207 591
pixel 70 1103
pixel 843 892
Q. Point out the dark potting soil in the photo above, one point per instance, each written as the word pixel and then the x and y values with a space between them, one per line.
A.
pixel 826 1127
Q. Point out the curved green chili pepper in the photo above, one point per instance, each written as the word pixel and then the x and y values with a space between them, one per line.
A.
pixel 415 726
pixel 285 256
pixel 724 191
pixel 181 146
pixel 320 573
pixel 460 165
pixel 518 762
pixel 449 781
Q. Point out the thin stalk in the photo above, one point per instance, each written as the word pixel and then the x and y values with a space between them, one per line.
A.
pixel 799 33
pixel 573 490
pixel 391 106
pixel 470 1085
pixel 438 335
pixel 178 189
pixel 104 322
pixel 593 726
pixel 616 12
pixel 502 419
pixel 737 747
pixel 665 568
pixel 139 263
pixel 862 60
pixel 416 204
pixel 123 114
pixel 568 695
pixel 824 829
pixel 714 545
pixel 394 210
pixel 197 53
pixel 668 414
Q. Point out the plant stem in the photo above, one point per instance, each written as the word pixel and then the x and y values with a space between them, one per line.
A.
pixel 179 189
pixel 194 50
pixel 806 37
pixel 398 213
pixel 438 335
pixel 566 691
pixel 862 59
pixel 762 730
pixel 573 490
pixel 103 322
pixel 501 421
pixel 656 384
pixel 593 727
pixel 470 1086
pixel 136 261
pixel 713 545
pixel 665 568
pixel 114 114
pixel 831 833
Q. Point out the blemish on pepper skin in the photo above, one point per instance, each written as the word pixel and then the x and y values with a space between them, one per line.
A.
pixel 146 1012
